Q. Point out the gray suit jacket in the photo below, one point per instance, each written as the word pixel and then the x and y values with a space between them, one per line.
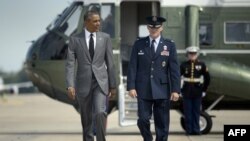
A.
pixel 102 65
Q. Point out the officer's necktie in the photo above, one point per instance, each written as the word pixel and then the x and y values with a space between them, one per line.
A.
pixel 152 48
pixel 91 46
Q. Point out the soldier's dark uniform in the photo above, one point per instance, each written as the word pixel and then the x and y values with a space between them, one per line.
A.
pixel 192 90
pixel 154 77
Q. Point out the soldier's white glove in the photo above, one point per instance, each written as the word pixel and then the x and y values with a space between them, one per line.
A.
pixel 203 94
pixel 181 95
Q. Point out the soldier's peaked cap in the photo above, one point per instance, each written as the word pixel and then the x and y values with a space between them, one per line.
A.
pixel 192 49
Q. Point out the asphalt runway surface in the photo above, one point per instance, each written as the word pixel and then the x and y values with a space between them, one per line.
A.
pixel 36 117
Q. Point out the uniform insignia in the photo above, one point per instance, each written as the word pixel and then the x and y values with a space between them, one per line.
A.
pixel 165 53
pixel 154 18
pixel 140 52
pixel 165 47
pixel 163 64
pixel 198 67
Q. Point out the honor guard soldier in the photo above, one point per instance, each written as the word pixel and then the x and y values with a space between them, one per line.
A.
pixel 195 78
pixel 154 79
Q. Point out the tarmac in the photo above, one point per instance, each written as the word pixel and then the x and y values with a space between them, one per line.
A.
pixel 36 117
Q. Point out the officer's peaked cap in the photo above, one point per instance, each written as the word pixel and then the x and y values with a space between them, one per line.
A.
pixel 155 20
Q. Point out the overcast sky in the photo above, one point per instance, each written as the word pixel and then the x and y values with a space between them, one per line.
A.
pixel 22 21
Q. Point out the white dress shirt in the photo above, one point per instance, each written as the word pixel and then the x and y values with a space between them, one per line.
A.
pixel 87 37
pixel 157 40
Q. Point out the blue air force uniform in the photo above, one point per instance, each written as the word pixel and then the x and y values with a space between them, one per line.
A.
pixel 192 90
pixel 154 75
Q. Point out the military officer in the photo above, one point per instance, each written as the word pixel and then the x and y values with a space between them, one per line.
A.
pixel 194 87
pixel 154 79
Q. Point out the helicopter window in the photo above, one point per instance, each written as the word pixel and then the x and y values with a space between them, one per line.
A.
pixel 107 13
pixel 55 22
pixel 108 18
pixel 205 34
pixel 69 26
pixel 237 32
pixel 53 47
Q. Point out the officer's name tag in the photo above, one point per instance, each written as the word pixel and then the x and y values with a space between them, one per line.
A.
pixel 141 52
pixel 165 53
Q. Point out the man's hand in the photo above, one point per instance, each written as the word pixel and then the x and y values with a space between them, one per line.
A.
pixel 132 93
pixel 174 96
pixel 71 93
pixel 112 93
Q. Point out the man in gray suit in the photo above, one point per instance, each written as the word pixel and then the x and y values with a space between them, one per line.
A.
pixel 91 51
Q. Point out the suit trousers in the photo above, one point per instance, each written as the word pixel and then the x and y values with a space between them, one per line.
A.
pixel 93 112
pixel 160 110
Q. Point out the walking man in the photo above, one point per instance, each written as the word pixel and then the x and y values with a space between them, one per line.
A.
pixel 154 79
pixel 91 51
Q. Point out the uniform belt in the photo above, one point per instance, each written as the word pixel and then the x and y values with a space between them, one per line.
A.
pixel 194 80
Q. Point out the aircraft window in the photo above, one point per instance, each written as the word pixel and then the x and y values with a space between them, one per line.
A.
pixel 108 19
pixel 55 22
pixel 237 32
pixel 53 47
pixel 69 26
pixel 94 7
pixel 143 31
pixel 205 34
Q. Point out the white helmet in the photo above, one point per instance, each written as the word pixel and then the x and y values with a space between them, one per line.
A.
pixel 193 49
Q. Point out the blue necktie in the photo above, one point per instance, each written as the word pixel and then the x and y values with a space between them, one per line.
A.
pixel 152 48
